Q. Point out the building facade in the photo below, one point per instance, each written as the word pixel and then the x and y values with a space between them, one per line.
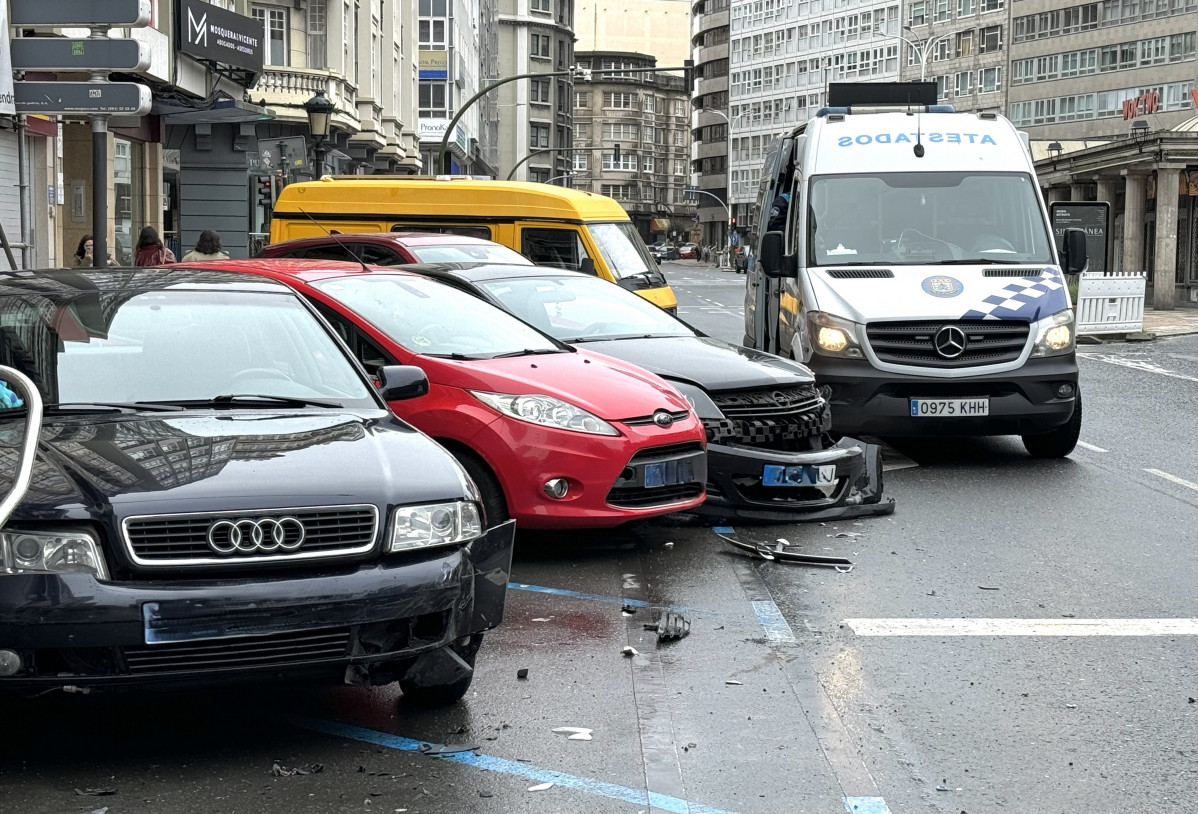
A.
pixel 632 142
pixel 710 130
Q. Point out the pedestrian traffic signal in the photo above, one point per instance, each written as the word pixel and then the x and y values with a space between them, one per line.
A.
pixel 266 191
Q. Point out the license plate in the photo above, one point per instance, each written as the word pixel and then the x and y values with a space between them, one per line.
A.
pixel 776 475
pixel 952 408
pixel 669 473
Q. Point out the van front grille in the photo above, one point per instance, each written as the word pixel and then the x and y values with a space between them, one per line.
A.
pixel 986 342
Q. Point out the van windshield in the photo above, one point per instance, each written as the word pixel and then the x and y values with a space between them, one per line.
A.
pixel 925 218
pixel 622 249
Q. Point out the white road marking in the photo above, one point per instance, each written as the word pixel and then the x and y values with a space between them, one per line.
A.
pixel 1023 627
pixel 1174 478
pixel 1136 364
pixel 1091 447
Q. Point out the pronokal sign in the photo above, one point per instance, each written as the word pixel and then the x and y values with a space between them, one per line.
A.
pixel 215 35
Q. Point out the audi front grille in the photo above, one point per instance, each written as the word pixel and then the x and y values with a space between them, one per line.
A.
pixel 986 342
pixel 251 537
pixel 272 650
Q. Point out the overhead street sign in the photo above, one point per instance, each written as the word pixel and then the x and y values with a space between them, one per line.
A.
pixel 81 13
pixel 82 98
pixel 54 54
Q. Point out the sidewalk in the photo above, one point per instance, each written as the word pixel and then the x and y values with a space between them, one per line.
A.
pixel 1179 321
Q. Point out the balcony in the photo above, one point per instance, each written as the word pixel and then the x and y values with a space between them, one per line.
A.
pixel 286 90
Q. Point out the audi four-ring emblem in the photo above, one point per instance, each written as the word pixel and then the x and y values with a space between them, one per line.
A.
pixel 949 342
pixel 262 536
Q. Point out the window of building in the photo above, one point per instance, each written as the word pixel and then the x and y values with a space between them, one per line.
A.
pixel 432 100
pixel 582 100
pixel 991 39
pixel 648 164
pixel 318 46
pixel 539 175
pixel 964 83
pixel 992 5
pixel 989 80
pixel 621 131
pixel 621 101
pixel 919 12
pixel 627 162
pixel 940 10
pixel 539 5
pixel 582 131
pixel 539 45
pixel 681 166
pixel 538 90
pixel 582 162
pixel 538 135
pixel 964 46
pixel 274 22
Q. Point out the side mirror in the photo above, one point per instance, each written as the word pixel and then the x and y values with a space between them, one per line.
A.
pixel 587 266
pixel 402 382
pixel 27 391
pixel 1075 259
pixel 773 260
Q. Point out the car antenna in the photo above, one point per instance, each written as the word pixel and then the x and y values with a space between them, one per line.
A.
pixel 918 144
pixel 348 250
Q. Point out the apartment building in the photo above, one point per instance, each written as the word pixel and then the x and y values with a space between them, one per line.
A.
pixel 632 141
pixel 710 130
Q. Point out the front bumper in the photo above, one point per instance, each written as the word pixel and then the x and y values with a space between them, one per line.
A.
pixel 735 489
pixel 871 402
pixel 70 629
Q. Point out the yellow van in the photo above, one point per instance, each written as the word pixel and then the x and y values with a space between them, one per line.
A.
pixel 550 225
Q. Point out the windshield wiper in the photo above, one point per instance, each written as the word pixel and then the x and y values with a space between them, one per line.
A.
pixel 238 398
pixel 112 407
pixel 612 338
pixel 529 352
pixel 989 261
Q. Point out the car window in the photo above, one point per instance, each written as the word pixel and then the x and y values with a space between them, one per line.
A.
pixel 330 252
pixel 579 308
pixel 177 345
pixel 377 255
pixel 559 248
pixel 427 317
pixel 469 253
pixel 367 352
pixel 482 232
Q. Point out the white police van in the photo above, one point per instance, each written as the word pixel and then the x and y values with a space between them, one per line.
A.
pixel 914 271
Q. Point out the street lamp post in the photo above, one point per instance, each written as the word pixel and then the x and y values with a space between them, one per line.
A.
pixel 320 114
pixel 923 47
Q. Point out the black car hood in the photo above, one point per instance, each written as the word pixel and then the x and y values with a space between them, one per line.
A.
pixel 114 467
pixel 712 364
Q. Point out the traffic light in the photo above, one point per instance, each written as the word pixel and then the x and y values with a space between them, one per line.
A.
pixel 266 191
pixel 615 154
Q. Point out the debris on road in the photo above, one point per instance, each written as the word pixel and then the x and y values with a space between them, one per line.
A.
pixel 447 749
pixel 279 770
pixel 628 610
pixel 734 682
pixel 543 619
pixel 629 651
pixel 989 588
pixel 522 673
pixel 670 625
pixel 781 551
pixel 95 792
pixel 574 733
pixel 541 787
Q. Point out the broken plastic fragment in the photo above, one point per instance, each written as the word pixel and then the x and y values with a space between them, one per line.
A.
pixel 734 682
pixel 95 792
pixel 447 749
pixel 849 534
pixel 541 787
pixel 574 733
pixel 522 673
pixel 670 625
pixel 629 651
pixel 543 619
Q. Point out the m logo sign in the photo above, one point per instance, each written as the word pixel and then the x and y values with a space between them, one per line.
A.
pixel 197 30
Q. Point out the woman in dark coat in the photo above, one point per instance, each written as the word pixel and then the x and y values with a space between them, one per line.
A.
pixel 150 251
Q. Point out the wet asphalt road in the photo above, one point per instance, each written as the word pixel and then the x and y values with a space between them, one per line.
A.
pixel 831 710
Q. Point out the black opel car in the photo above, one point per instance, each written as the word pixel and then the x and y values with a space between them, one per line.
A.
pixel 219 494
pixel 769 454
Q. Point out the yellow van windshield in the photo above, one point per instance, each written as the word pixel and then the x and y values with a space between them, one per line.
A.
pixel 622 249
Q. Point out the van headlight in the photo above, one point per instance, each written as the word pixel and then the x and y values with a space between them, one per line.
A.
pixel 1054 335
pixel 56 552
pixel 834 336
pixel 434 524
pixel 546 411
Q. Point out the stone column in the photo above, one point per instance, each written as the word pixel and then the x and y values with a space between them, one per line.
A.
pixel 1164 275
pixel 1108 190
pixel 1133 220
pixel 1077 190
pixel 1054 194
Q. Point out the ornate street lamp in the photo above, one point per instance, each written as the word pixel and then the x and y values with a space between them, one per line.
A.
pixel 320 116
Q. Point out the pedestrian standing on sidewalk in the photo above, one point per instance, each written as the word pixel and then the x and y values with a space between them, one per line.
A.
pixel 207 248
pixel 150 251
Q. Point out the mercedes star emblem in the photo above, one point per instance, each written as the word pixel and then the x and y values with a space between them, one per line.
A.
pixel 949 342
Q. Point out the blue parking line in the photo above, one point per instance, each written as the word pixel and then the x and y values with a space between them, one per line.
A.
pixel 865 805
pixel 586 785
pixel 611 600
pixel 777 630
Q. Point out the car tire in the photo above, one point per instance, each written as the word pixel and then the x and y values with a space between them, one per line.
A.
pixel 1059 442
pixel 489 487
pixel 445 694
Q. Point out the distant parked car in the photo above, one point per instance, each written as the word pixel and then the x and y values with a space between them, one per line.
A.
pixel 688 251
pixel 768 450
pixel 665 251
pixel 393 248
pixel 553 437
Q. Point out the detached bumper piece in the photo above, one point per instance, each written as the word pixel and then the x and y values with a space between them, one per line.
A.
pixel 660 476
pixel 781 552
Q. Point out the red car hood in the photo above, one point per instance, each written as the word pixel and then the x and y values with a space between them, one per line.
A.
pixel 608 388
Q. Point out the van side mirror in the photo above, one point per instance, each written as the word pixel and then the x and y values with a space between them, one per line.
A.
pixel 773 260
pixel 402 382
pixel 587 266
pixel 24 389
pixel 1075 259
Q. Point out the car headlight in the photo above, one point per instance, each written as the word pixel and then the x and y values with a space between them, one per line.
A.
pixel 546 411
pixel 700 402
pixel 58 552
pixel 1054 335
pixel 434 524
pixel 834 336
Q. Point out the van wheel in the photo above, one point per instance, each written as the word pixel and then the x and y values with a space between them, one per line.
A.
pixel 491 491
pixel 1059 442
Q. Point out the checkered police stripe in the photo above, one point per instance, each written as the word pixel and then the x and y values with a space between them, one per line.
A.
pixel 1025 300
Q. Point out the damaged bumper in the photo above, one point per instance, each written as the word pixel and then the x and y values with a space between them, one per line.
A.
pixel 840 482
pixel 365 622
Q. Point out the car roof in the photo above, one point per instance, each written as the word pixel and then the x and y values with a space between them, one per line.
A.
pixel 293 269
pixel 485 272
pixel 192 276
pixel 384 238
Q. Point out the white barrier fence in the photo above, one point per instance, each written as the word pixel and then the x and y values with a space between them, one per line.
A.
pixel 1110 302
